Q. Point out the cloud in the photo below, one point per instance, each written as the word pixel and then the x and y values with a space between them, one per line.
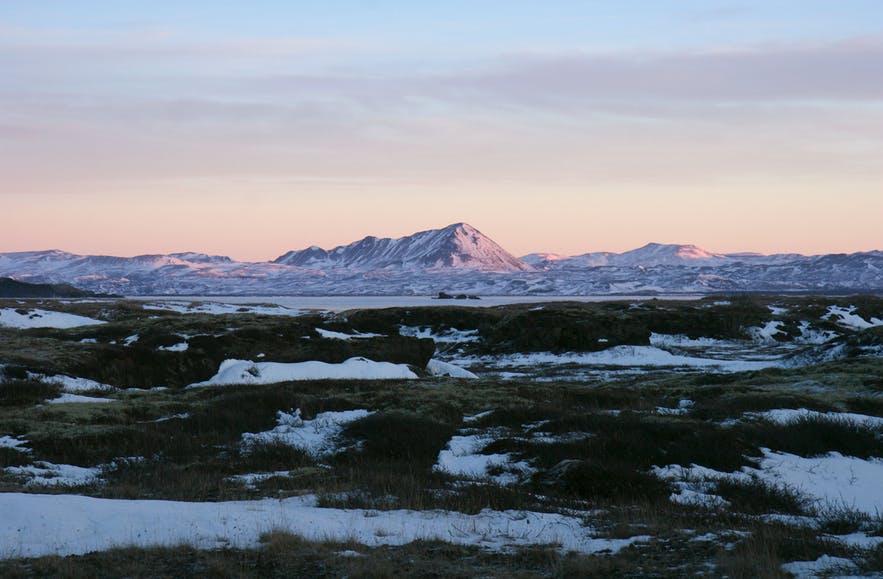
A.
pixel 848 70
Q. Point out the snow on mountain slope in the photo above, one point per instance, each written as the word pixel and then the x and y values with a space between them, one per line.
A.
pixel 650 255
pixel 654 254
pixel 457 246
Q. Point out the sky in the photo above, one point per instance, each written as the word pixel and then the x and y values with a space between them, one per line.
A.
pixel 251 128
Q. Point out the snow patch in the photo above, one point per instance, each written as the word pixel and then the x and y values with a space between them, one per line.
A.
pixel 767 333
pixel 341 336
pixel 36 525
pixel 451 335
pixel 36 318
pixel 179 347
pixel 318 437
pixel 848 318
pixel 808 335
pixel 786 416
pixel 217 308
pixel 682 341
pixel 625 356
pixel 832 480
pixel 72 384
pixel 43 473
pixel 248 372
pixel 439 368
pixel 66 398
pixel 824 565
pixel 251 480
pixel 462 456
pixel 684 406
pixel 14 443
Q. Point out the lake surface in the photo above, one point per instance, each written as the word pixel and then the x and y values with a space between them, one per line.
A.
pixel 341 303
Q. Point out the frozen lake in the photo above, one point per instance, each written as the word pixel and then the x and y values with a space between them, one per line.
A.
pixel 341 303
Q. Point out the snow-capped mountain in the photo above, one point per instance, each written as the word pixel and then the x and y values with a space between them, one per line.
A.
pixel 457 258
pixel 457 246
pixel 650 255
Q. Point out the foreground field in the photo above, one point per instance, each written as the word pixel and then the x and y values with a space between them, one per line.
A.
pixel 581 462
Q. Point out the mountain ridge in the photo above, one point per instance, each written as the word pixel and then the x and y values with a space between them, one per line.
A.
pixel 456 258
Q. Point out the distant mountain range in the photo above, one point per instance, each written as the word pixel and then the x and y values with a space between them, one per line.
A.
pixel 456 258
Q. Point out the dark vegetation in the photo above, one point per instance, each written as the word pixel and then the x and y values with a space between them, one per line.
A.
pixel 591 446
pixel 12 288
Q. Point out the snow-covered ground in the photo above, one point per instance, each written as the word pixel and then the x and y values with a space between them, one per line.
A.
pixel 34 525
pixel 36 318
pixel 247 372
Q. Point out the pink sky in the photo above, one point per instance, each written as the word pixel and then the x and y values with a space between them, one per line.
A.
pixel 189 129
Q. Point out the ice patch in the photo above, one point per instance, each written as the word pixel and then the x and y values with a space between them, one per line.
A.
pixel 247 372
pixel 131 340
pixel 439 368
pixel 35 318
pixel 318 437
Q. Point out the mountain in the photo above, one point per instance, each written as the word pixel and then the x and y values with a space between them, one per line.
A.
pixel 650 255
pixel 454 259
pixel 455 247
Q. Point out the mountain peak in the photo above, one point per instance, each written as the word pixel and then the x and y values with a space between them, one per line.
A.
pixel 457 246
